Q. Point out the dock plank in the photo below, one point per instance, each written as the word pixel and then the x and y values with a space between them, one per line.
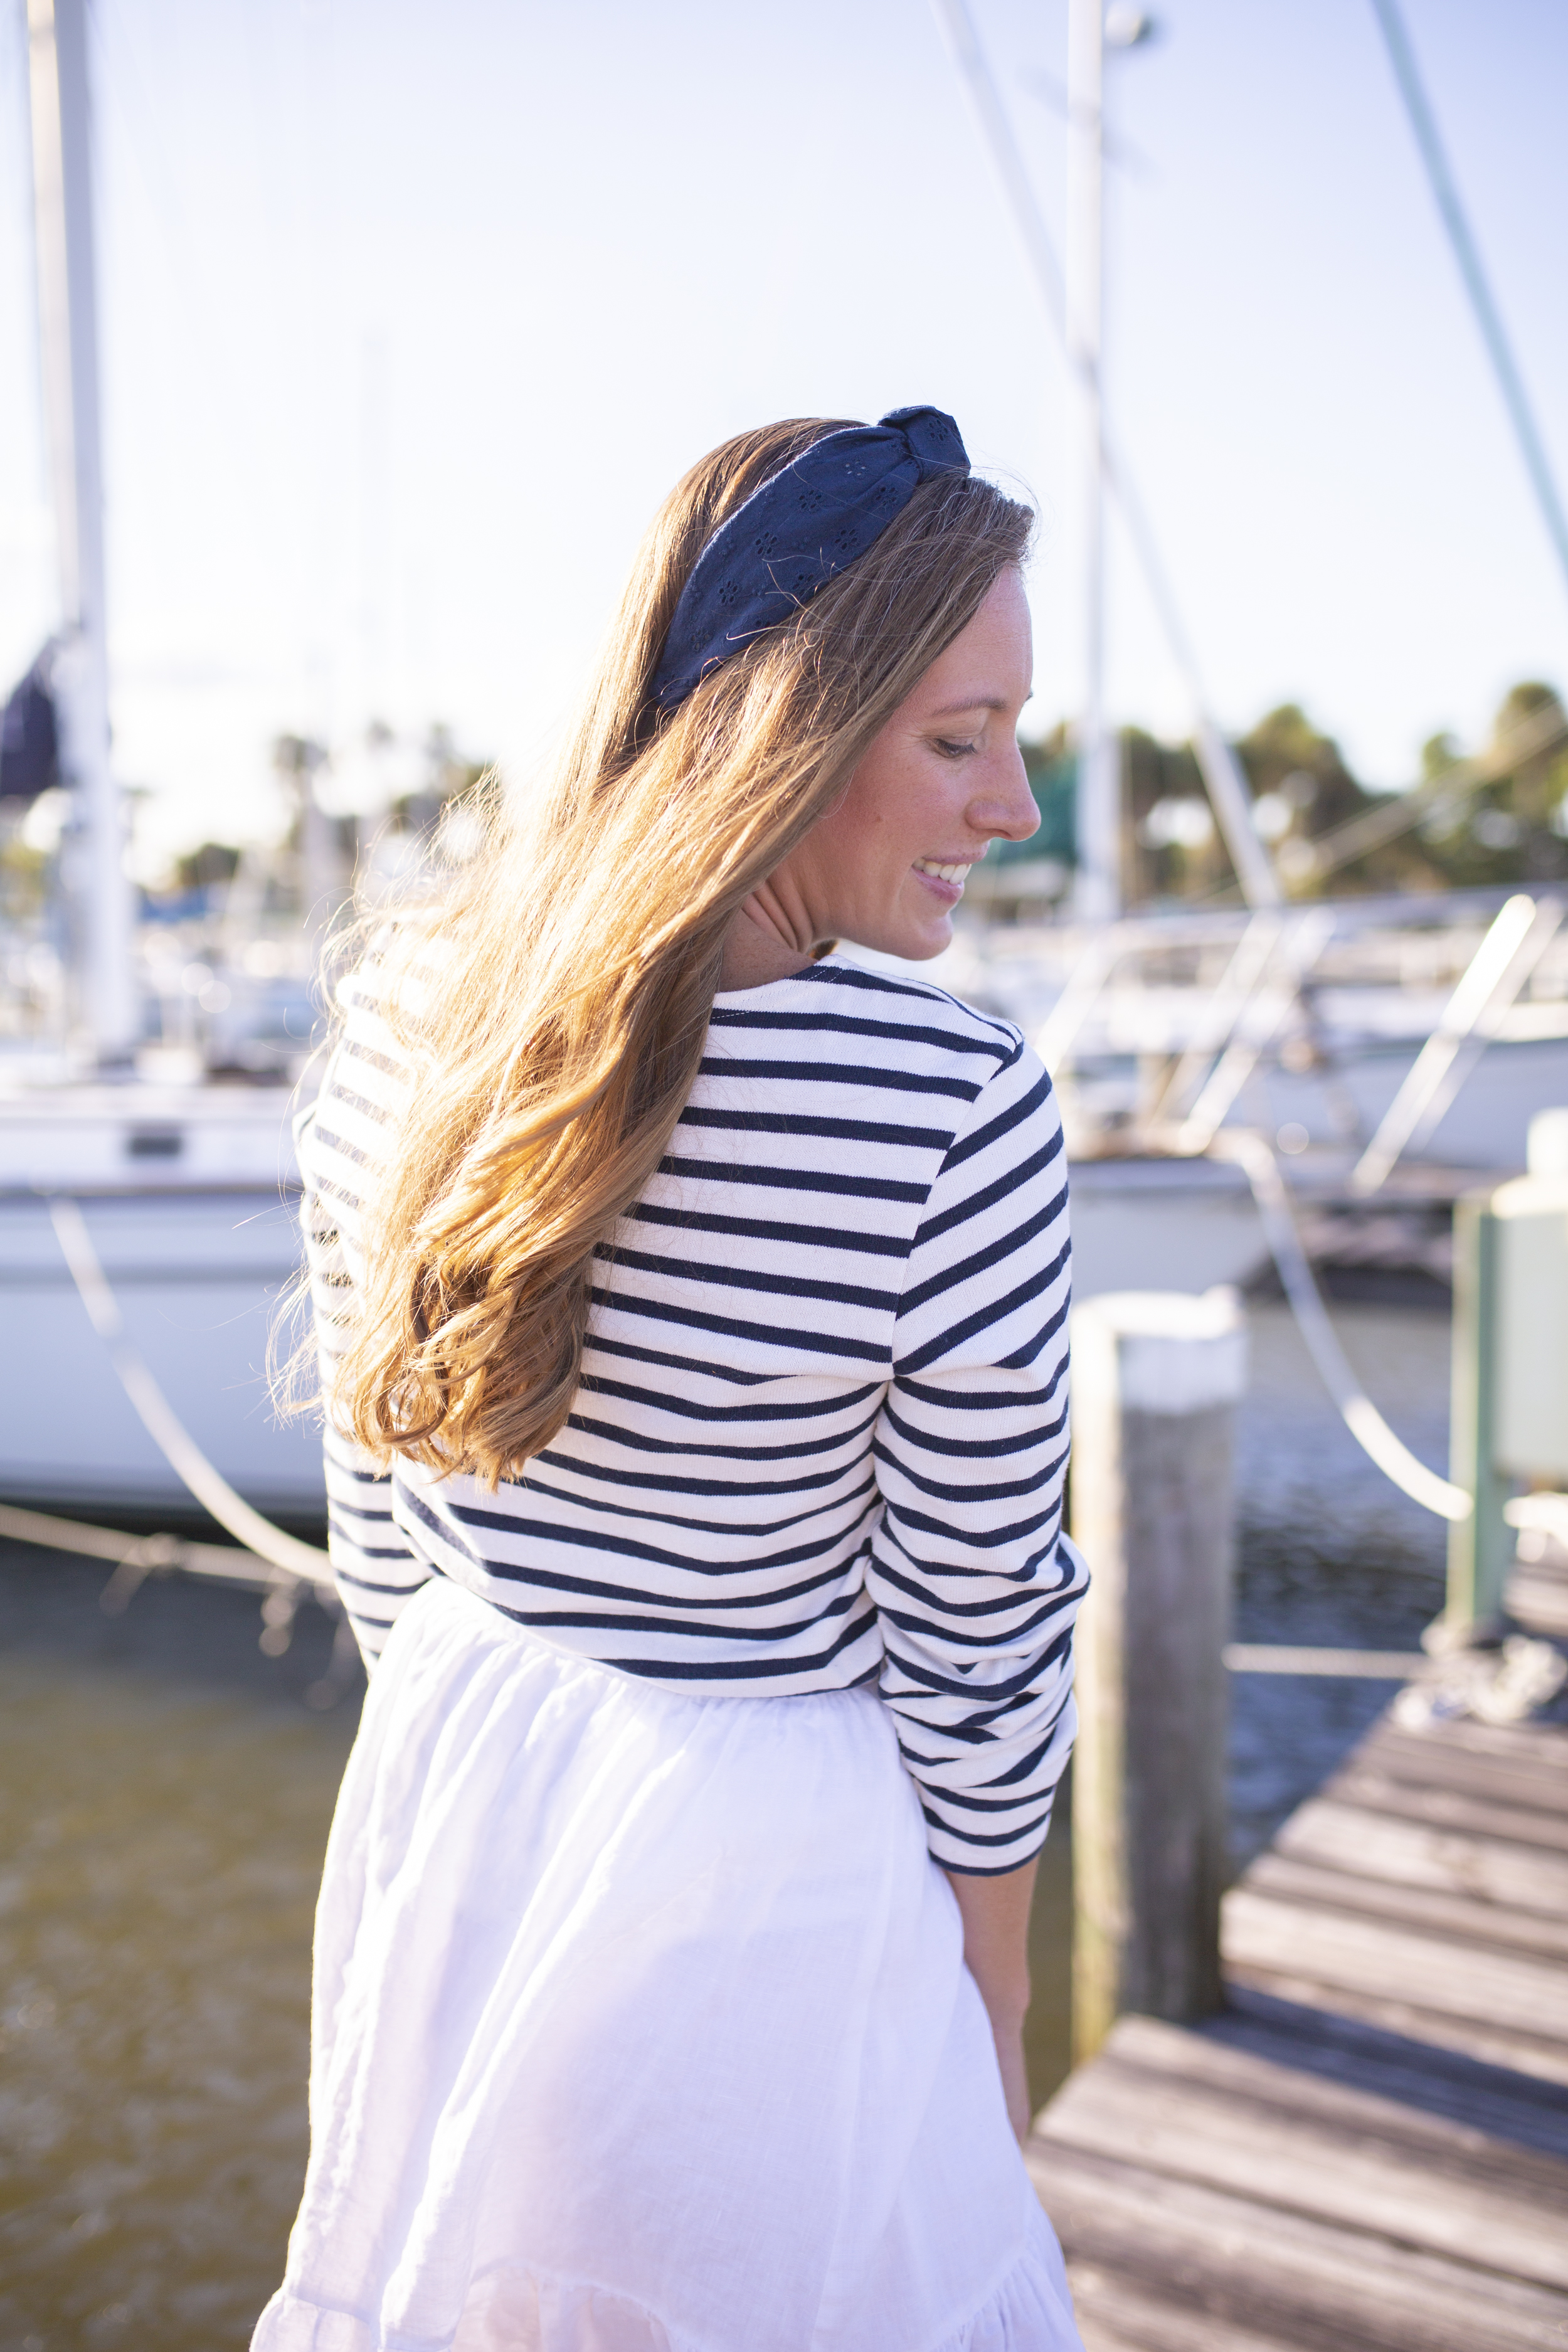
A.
pixel 1368 2150
pixel 1494 2100
pixel 1520 1998
pixel 1293 2282
pixel 1489 2045
pixel 1392 1849
pixel 1466 1918
pixel 1232 2120
pixel 1449 1807
pixel 1537 1748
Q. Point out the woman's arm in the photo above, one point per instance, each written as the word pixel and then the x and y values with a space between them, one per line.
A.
pixel 975 1583
pixel 996 1914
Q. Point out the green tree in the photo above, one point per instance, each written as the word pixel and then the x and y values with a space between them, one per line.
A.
pixel 1512 828
pixel 450 778
pixel 214 861
pixel 1051 767
pixel 1170 848
pixel 1303 777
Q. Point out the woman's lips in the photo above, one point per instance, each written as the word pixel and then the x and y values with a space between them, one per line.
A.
pixel 944 877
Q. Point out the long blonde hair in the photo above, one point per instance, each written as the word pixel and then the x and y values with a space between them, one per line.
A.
pixel 579 952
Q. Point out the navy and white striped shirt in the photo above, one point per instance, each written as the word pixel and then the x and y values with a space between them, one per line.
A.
pixel 822 1429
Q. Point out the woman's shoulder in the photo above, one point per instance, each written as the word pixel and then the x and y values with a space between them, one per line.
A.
pixel 876 1014
pixel 381 997
pixel 367 1070
pixel 888 1027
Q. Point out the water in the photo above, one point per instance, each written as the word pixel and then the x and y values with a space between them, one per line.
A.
pixel 164 1803
pixel 1329 1551
pixel 165 1799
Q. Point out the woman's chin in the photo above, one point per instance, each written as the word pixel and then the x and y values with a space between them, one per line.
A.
pixel 912 934
pixel 913 946
pixel 928 937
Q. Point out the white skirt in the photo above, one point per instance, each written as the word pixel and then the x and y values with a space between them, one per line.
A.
pixel 641 2025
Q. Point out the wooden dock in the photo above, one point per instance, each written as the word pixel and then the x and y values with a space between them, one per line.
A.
pixel 1367 2151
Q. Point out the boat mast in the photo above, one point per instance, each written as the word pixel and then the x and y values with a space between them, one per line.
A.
pixel 1124 27
pixel 68 325
pixel 1097 892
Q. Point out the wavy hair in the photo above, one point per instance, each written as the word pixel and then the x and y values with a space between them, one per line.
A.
pixel 553 1003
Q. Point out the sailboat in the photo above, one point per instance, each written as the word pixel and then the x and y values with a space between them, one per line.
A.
pixel 182 1188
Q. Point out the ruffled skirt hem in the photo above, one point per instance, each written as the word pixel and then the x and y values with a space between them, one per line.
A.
pixel 519 2308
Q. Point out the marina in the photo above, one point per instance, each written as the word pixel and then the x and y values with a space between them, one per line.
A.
pixel 1298 2042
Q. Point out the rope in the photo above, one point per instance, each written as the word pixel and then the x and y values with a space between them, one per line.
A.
pixel 1544 1515
pixel 1255 1156
pixel 283 1552
pixel 1359 1665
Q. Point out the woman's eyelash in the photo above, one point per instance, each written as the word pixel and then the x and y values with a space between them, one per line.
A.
pixel 951 750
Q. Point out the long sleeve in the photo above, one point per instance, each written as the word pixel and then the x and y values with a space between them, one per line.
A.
pixel 974 1581
pixel 376 1568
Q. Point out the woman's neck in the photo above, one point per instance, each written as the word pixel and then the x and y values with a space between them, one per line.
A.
pixel 759 946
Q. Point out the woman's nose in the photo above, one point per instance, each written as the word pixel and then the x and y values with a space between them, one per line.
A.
pixel 1007 806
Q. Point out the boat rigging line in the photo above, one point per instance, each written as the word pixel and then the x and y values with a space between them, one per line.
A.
pixel 1222 774
pixel 1520 935
pixel 1467 253
pixel 134 1558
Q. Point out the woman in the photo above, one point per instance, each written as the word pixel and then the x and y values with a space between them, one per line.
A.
pixel 692 1309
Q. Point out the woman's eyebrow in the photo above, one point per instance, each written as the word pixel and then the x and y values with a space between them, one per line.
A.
pixel 977 702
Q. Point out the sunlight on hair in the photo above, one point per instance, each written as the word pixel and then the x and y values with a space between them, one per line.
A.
pixel 552 990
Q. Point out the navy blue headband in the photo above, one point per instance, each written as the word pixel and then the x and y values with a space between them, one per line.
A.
pixel 792 536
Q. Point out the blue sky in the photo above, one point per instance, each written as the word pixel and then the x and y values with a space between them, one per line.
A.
pixel 412 315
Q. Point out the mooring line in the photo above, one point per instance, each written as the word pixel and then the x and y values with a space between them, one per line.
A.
pixel 281 1551
pixel 1253 1155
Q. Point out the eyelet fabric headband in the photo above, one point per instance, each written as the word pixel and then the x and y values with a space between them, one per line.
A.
pixel 795 533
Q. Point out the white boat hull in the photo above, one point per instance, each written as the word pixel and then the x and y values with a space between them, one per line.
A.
pixel 200 1279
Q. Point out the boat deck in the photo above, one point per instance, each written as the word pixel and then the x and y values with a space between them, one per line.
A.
pixel 1368 2150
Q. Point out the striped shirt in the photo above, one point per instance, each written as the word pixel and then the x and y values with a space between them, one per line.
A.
pixel 821 1433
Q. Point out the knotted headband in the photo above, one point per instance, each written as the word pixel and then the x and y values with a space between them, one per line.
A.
pixel 795 533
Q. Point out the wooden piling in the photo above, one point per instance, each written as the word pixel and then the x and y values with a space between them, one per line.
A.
pixel 1479 1547
pixel 1156 1378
